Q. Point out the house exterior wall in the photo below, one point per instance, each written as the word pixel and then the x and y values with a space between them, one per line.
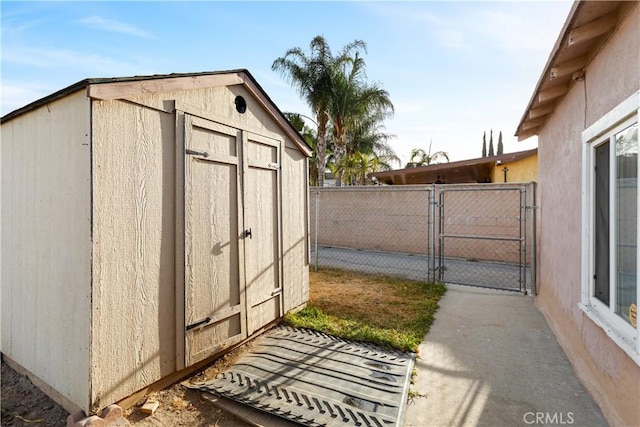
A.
pixel 606 370
pixel 46 246
pixel 523 170
pixel 134 338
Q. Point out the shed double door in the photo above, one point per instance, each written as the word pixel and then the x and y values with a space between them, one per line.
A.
pixel 232 235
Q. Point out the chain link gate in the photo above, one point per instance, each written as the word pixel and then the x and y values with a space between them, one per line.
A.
pixel 474 234
pixel 482 236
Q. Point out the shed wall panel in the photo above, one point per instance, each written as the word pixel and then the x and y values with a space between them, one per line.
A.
pixel 134 298
pixel 220 102
pixel 46 244
pixel 295 229
pixel 134 156
pixel 608 373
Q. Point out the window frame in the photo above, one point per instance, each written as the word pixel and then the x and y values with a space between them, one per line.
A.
pixel 622 333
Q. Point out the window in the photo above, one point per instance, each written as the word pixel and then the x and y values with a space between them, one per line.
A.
pixel 610 225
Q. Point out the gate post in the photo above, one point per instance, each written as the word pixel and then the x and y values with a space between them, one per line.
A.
pixel 431 241
pixel 523 239
pixel 441 266
pixel 533 237
pixel 316 230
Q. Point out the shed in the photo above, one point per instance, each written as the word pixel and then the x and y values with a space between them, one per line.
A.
pixel 149 224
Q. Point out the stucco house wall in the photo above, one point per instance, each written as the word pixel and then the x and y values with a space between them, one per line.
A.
pixel 607 371
pixel 522 170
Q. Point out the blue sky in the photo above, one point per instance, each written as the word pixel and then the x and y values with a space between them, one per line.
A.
pixel 453 69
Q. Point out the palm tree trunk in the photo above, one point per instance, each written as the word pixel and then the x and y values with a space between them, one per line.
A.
pixel 320 158
pixel 321 147
pixel 339 154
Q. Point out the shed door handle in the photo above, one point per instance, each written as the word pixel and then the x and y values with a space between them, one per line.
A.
pixel 197 153
pixel 247 233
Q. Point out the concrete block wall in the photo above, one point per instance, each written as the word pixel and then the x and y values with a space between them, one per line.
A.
pixel 396 219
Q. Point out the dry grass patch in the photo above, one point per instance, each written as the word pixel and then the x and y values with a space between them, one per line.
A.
pixel 387 311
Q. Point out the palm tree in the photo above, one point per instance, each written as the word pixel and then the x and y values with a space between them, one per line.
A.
pixel 310 138
pixel 368 137
pixel 354 102
pixel 421 158
pixel 313 76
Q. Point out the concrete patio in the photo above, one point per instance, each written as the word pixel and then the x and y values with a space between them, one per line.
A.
pixel 490 359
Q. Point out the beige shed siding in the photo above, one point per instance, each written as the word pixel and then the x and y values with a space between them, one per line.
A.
pixel 133 326
pixel 218 101
pixel 46 244
pixel 294 225
pixel 609 374
pixel 134 341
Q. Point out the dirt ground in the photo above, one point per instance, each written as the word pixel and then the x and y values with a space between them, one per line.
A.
pixel 25 405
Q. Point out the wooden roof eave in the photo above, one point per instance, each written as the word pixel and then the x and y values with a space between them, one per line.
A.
pixel 408 175
pixel 563 67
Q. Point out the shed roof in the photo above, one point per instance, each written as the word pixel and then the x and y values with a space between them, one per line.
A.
pixel 587 28
pixel 473 170
pixel 120 87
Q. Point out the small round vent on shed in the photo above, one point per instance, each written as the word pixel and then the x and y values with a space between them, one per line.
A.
pixel 241 104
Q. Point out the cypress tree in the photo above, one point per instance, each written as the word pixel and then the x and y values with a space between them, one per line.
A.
pixel 484 144
pixel 491 152
pixel 500 146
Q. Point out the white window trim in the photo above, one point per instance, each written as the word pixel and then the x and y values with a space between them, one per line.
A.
pixel 621 333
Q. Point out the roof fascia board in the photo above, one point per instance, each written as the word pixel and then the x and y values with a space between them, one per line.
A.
pixel 504 158
pixel 254 88
pixel 46 100
pixel 552 56
pixel 118 90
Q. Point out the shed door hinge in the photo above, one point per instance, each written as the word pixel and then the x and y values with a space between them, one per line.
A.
pixel 199 323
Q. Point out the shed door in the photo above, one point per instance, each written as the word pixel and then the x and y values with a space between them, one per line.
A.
pixel 232 236
pixel 215 316
pixel 263 270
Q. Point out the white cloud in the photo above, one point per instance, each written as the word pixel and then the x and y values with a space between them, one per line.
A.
pixel 517 28
pixel 100 23
pixel 91 63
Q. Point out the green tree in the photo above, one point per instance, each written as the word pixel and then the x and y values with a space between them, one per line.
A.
pixel 310 138
pixel 312 75
pixel 368 136
pixel 356 104
pixel 491 145
pixel 355 167
pixel 419 157
pixel 484 144
pixel 500 146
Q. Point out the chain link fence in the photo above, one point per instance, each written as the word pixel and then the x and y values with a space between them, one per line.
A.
pixel 476 234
